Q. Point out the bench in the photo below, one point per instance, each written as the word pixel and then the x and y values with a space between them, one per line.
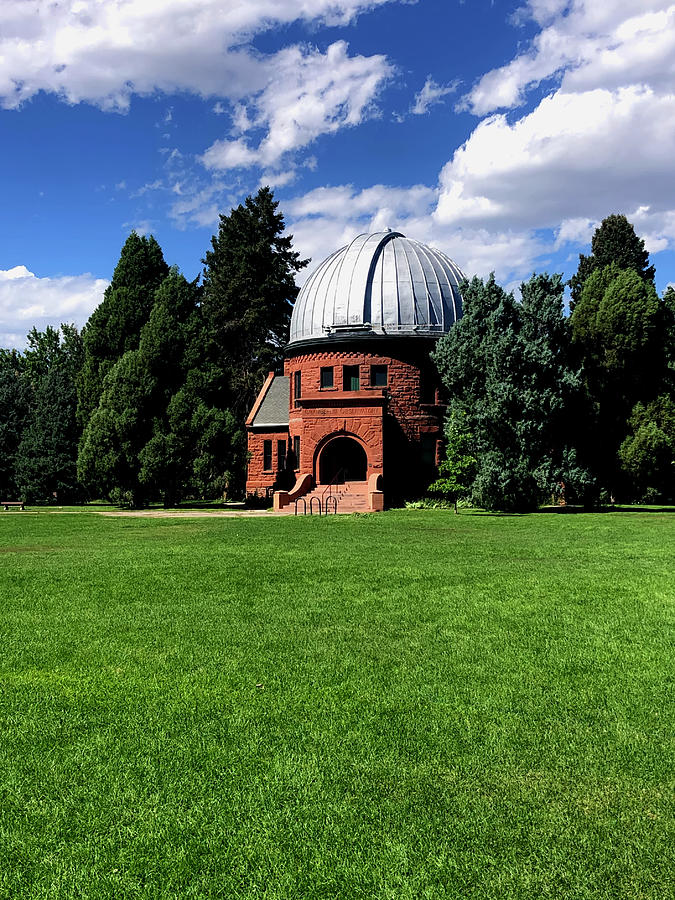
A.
pixel 8 503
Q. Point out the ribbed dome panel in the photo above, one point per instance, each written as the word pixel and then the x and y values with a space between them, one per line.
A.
pixel 379 284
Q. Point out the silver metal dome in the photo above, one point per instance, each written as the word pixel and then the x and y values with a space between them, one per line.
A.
pixel 382 284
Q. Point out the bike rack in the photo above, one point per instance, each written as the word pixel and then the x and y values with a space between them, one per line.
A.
pixel 335 503
pixel 311 505
pixel 304 504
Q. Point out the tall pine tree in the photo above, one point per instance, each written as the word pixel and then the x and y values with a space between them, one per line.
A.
pixel 128 451
pixel 249 290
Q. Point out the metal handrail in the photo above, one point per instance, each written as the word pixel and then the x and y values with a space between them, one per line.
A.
pixel 335 504
pixel 334 482
pixel 311 505
pixel 304 504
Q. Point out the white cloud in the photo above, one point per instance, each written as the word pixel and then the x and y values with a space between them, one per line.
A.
pixel 155 185
pixel 602 141
pixel 575 231
pixel 277 179
pixel 307 94
pixel 431 94
pixel 575 155
pixel 586 45
pixel 103 52
pixel 27 300
pixel 327 218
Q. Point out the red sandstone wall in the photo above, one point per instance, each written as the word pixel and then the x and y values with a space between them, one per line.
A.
pixel 258 480
pixel 390 431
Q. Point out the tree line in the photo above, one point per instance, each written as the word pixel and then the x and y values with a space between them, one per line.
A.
pixel 574 408
pixel 149 401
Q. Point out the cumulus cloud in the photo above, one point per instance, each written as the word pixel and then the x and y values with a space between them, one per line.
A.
pixel 103 53
pixel 330 217
pixel 574 154
pixel 308 93
pixel 431 94
pixel 585 45
pixel 601 141
pixel 27 300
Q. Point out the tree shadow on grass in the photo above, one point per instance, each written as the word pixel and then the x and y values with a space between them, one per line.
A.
pixel 640 509
pixel 569 511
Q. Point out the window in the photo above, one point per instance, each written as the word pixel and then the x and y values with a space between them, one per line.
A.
pixel 296 450
pixel 327 377
pixel 281 456
pixel 350 378
pixel 267 456
pixel 378 376
pixel 429 442
pixel 297 385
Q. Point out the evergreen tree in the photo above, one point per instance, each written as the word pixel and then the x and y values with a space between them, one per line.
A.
pixel 618 328
pixel 458 470
pixel 614 243
pixel 249 290
pixel 45 463
pixel 169 347
pixel 669 331
pixel 648 453
pixel 119 428
pixel 152 434
pixel 15 402
pixel 115 325
pixel 507 364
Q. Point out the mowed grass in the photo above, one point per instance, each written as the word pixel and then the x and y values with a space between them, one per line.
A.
pixel 406 705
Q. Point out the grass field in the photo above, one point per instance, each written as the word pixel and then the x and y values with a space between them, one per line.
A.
pixel 406 705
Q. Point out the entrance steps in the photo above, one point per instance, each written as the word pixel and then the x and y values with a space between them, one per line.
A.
pixel 351 497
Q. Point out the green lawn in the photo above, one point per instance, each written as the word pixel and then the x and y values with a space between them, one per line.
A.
pixel 406 705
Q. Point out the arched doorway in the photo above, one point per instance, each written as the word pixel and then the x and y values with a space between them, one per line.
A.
pixel 343 459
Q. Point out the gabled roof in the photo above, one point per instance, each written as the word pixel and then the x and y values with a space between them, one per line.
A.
pixel 273 410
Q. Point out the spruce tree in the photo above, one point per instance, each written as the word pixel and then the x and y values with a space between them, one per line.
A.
pixel 117 431
pixel 128 450
pixel 507 366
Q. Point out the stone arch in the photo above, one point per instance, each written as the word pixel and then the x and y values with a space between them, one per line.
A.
pixel 341 451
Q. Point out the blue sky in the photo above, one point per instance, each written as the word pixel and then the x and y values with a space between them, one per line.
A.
pixel 501 132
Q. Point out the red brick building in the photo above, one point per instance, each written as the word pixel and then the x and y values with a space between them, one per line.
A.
pixel 358 404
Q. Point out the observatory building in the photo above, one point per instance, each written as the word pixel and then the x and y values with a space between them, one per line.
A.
pixel 357 414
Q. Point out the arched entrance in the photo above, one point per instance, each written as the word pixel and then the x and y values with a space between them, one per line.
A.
pixel 343 459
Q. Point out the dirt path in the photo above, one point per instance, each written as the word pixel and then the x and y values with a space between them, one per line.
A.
pixel 191 513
